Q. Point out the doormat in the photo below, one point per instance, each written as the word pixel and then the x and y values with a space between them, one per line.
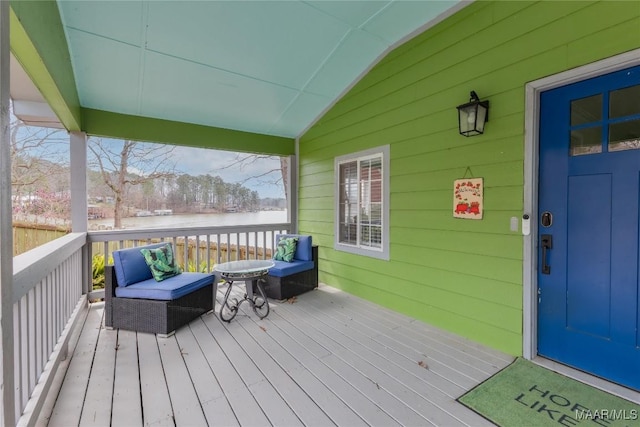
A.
pixel 525 394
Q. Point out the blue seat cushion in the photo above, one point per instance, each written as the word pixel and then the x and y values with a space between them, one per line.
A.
pixel 130 265
pixel 167 290
pixel 283 268
pixel 303 247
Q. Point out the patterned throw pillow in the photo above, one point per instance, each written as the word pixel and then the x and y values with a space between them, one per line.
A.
pixel 286 249
pixel 161 262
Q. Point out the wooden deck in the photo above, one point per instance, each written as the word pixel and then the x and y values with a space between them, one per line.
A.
pixel 328 358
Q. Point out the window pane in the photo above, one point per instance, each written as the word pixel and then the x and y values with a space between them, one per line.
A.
pixel 376 213
pixel 348 186
pixel 359 206
pixel 348 203
pixel 370 199
pixel 365 235
pixel 586 110
pixel 376 236
pixel 586 141
pixel 624 136
pixel 348 233
pixel 624 102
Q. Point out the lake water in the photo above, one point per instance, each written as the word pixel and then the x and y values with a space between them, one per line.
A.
pixel 195 220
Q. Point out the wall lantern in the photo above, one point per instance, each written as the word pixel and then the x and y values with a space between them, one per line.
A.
pixel 473 115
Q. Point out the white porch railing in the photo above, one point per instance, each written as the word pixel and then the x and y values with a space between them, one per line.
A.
pixel 201 247
pixel 51 285
pixel 47 299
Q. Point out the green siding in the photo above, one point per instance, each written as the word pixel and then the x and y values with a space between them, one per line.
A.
pixel 462 275
pixel 115 125
pixel 39 44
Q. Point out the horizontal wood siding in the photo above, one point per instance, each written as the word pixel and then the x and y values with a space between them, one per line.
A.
pixel 465 276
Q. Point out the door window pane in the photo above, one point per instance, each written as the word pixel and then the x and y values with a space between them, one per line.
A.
pixel 624 136
pixel 586 110
pixel 586 141
pixel 624 102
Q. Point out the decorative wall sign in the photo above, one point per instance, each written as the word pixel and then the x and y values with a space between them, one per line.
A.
pixel 467 198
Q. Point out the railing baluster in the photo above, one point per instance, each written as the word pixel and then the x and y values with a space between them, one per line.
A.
pixel 197 252
pixel 208 252
pixel 31 341
pixel 105 252
pixel 39 330
pixel 17 349
pixel 185 252
pixel 24 349
pixel 218 248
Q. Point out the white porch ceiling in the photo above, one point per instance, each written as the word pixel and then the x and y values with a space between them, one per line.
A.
pixel 269 67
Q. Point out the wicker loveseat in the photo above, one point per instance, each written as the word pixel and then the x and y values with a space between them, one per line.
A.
pixel 288 279
pixel 135 301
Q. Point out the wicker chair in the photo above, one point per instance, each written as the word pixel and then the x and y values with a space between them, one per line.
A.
pixel 159 316
pixel 286 280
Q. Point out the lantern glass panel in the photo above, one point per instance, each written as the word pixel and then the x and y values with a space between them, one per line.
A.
pixel 467 116
pixel 481 118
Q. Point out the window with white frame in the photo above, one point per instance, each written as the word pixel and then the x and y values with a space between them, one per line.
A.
pixel 362 202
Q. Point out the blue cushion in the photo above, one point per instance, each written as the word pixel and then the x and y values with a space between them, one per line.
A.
pixel 167 290
pixel 130 265
pixel 303 249
pixel 283 268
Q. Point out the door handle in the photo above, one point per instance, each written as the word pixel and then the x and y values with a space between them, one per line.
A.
pixel 546 241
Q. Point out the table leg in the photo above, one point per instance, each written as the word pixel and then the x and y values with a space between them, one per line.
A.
pixel 259 302
pixel 249 285
pixel 228 311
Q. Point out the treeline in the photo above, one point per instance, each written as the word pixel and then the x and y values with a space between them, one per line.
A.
pixel 47 195
pixel 194 193
pixel 183 193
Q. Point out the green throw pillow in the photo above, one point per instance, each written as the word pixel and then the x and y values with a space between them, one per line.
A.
pixel 161 262
pixel 286 249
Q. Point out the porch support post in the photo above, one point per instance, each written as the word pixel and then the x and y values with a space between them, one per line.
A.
pixel 292 191
pixel 79 207
pixel 6 231
pixel 78 146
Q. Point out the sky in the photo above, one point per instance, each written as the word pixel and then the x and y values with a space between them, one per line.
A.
pixel 200 161
pixel 251 173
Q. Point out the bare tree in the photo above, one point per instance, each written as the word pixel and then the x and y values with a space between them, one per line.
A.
pixel 275 176
pixel 39 172
pixel 127 163
pixel 37 155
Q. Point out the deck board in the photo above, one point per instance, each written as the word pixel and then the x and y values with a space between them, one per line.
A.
pixel 327 359
pixel 184 399
pixel 245 408
pixel 284 403
pixel 215 407
pixel 386 357
pixel 156 404
pixel 441 346
pixel 127 406
pixel 68 407
pixel 97 407
pixel 285 382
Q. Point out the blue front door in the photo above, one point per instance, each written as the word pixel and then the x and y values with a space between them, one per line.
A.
pixel 589 196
